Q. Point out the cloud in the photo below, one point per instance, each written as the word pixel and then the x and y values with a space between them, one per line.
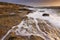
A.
pixel 35 2
pixel 29 1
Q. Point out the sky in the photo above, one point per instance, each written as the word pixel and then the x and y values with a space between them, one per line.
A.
pixel 35 2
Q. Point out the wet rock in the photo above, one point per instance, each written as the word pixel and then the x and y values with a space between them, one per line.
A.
pixel 10 16
pixel 36 38
pixel 45 14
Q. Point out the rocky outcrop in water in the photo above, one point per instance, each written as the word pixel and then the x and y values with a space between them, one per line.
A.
pixel 19 23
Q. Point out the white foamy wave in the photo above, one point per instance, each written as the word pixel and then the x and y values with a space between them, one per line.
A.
pixel 30 26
